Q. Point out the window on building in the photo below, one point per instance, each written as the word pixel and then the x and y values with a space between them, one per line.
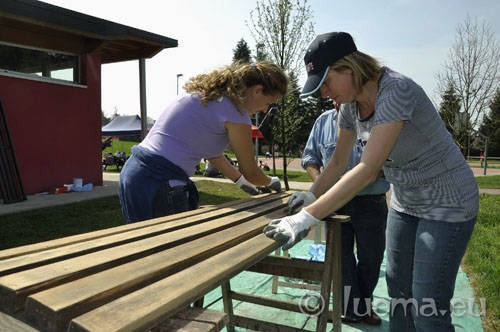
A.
pixel 40 63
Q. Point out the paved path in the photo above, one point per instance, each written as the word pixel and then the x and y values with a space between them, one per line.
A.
pixel 110 188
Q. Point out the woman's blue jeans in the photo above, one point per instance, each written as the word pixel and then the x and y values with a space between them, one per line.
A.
pixel 423 257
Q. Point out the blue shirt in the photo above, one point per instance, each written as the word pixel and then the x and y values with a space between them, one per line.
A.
pixel 321 145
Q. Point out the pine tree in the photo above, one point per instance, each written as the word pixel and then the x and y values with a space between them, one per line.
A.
pixel 104 119
pixel 449 110
pixel 242 52
pixel 491 126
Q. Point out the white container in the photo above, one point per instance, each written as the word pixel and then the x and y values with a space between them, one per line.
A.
pixel 78 182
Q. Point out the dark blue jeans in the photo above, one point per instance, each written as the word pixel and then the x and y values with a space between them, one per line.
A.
pixel 170 200
pixel 423 257
pixel 144 187
pixel 360 271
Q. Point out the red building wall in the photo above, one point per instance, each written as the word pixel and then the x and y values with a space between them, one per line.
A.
pixel 55 128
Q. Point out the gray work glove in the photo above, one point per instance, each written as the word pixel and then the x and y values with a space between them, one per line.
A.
pixel 247 186
pixel 291 229
pixel 300 200
pixel 275 184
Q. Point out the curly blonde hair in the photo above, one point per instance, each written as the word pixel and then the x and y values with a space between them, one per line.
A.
pixel 363 66
pixel 234 80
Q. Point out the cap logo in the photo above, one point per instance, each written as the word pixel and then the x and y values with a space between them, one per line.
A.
pixel 309 67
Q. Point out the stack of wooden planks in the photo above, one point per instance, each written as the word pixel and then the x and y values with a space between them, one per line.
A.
pixel 137 277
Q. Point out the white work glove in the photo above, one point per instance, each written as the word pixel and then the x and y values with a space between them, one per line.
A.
pixel 247 186
pixel 300 200
pixel 291 229
pixel 275 184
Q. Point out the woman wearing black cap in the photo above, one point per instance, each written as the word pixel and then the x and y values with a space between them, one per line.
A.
pixel 434 200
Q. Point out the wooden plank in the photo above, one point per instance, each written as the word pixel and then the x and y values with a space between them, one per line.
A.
pixel 15 287
pixel 290 267
pixel 219 318
pixel 299 285
pixel 228 302
pixel 332 254
pixel 194 320
pixel 52 309
pixel 33 260
pixel 181 325
pixel 238 205
pixel 265 301
pixel 8 323
pixel 167 295
pixel 260 325
pixel 337 277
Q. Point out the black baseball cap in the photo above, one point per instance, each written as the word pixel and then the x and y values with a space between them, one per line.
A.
pixel 324 50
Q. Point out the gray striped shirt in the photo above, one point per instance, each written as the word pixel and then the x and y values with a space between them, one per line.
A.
pixel 429 176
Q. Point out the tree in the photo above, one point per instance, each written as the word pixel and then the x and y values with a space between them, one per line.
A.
pixel 298 117
pixel 491 126
pixel 115 113
pixel 472 67
pixel 104 119
pixel 454 120
pixel 242 52
pixel 260 52
pixel 284 28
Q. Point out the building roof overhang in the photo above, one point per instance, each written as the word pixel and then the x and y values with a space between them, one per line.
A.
pixel 42 25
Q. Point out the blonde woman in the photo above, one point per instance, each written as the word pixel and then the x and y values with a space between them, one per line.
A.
pixel 215 112
pixel 435 199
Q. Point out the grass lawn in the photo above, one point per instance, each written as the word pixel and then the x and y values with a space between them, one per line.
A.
pixel 482 259
pixel 54 222
pixel 119 146
pixel 490 182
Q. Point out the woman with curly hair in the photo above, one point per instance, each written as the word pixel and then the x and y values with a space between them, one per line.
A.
pixel 215 112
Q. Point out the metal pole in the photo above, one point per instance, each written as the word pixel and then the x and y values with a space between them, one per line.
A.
pixel 257 138
pixel 142 94
pixel 178 75
pixel 485 156
pixel 485 150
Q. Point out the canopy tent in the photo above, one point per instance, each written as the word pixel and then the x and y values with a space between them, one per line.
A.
pixel 127 125
pixel 256 132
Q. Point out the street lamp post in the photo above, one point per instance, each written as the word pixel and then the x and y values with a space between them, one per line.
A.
pixel 257 138
pixel 178 75
pixel 485 151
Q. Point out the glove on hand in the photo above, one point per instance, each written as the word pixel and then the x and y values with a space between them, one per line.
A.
pixel 291 229
pixel 300 200
pixel 264 190
pixel 275 184
pixel 246 186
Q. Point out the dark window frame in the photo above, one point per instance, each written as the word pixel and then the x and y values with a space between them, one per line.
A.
pixel 37 63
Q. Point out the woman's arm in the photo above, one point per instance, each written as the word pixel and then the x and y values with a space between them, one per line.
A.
pixel 313 171
pixel 337 165
pixel 223 165
pixel 240 137
pixel 382 139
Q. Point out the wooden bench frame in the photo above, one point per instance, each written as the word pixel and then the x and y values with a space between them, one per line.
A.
pixel 328 273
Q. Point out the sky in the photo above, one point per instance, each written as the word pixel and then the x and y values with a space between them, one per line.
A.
pixel 412 37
